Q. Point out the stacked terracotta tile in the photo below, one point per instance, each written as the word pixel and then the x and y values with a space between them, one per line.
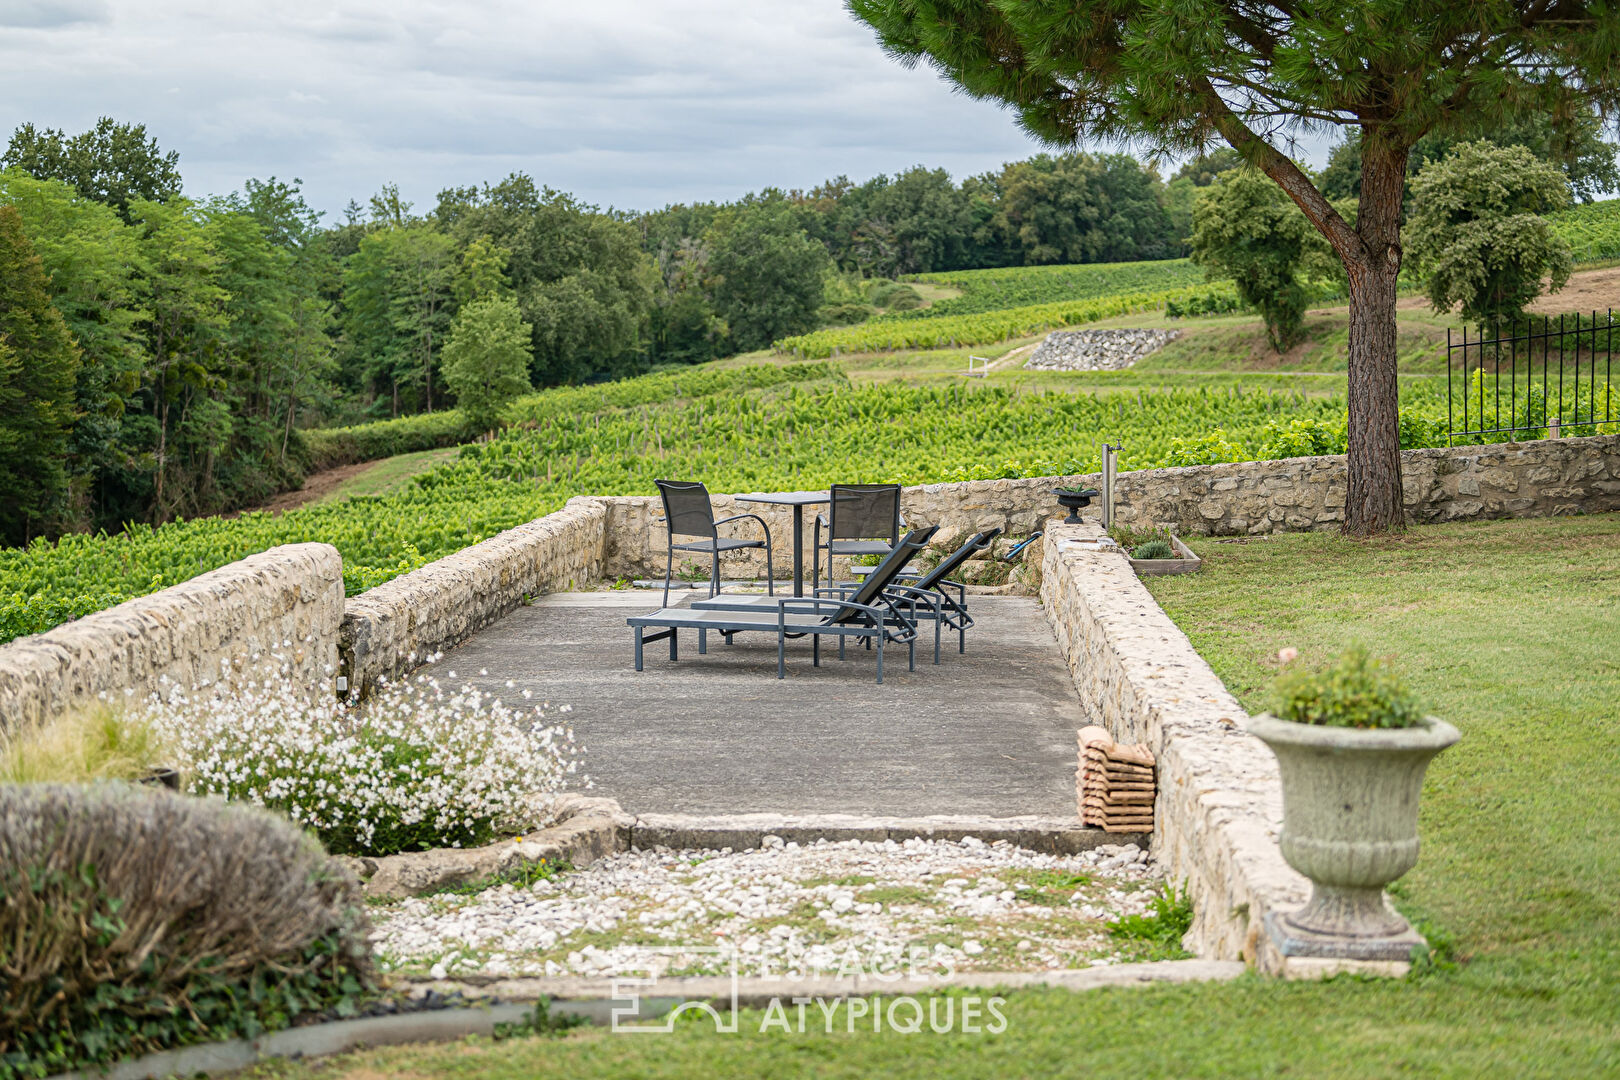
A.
pixel 1115 783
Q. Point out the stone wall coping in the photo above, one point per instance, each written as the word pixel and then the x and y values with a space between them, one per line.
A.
pixel 185 634
pixel 1218 812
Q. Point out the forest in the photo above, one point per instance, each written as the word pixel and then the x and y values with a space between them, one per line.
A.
pixel 162 355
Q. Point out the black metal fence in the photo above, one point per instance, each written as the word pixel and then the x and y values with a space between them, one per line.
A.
pixel 1542 379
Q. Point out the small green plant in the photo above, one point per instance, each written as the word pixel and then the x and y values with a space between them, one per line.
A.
pixel 1076 490
pixel 1157 935
pixel 1356 690
pixel 1127 537
pixel 539 1021
pixel 621 584
pixel 1153 549
pixel 692 572
pixel 523 876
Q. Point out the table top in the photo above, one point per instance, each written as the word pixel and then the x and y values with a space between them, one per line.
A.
pixel 787 498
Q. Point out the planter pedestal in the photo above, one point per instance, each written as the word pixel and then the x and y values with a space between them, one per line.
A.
pixel 1350 825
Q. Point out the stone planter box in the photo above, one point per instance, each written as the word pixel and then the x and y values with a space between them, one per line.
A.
pixel 1185 563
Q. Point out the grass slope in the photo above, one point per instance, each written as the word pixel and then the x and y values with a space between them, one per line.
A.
pixel 1511 631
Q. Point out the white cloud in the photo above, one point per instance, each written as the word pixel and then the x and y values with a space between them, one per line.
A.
pixel 632 103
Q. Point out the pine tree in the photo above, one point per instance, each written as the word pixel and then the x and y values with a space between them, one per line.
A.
pixel 38 366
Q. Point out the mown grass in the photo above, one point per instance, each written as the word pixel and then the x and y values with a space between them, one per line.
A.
pixel 391 474
pixel 1510 630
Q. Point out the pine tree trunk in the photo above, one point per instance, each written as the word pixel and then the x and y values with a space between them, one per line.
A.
pixel 1373 503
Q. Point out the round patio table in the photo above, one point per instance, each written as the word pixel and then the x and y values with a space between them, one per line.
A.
pixel 798 500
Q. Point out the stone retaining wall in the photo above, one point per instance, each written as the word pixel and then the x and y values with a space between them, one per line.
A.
pixel 386 631
pixel 1218 810
pixel 1531 479
pixel 636 541
pixel 184 634
pixel 185 631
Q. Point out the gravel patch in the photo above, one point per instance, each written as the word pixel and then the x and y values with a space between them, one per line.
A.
pixel 1097 350
pixel 967 905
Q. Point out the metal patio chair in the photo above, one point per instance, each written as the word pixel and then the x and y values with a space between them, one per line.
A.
pixel 688 512
pixel 861 519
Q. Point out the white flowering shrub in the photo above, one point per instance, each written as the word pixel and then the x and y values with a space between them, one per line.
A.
pixel 417 766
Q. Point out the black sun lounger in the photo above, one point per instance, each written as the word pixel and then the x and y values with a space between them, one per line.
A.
pixel 922 597
pixel 866 613
pixel 931 590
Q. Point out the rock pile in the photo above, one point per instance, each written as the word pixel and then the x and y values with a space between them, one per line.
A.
pixel 1115 782
pixel 1097 350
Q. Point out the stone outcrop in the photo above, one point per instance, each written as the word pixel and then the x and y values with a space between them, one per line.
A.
pixel 286 601
pixel 1097 350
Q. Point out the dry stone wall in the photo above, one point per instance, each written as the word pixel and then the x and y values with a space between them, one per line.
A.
pixel 287 600
pixel 636 540
pixel 387 630
pixel 295 592
pixel 1218 810
pixel 1531 479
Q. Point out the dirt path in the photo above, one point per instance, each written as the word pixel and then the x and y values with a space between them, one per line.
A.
pixel 317 486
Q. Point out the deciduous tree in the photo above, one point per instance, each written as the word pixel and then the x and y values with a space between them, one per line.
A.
pixel 1245 228
pixel 112 163
pixel 1179 75
pixel 38 362
pixel 1476 233
pixel 486 360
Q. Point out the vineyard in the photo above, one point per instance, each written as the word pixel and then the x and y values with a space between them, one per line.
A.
pixel 1022 286
pixel 1592 230
pixel 767 426
pixel 981 328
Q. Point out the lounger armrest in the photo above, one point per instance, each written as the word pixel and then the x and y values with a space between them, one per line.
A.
pixel 814 604
pixel 739 517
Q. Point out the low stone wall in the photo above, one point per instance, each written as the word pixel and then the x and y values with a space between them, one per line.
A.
pixel 1531 479
pixel 387 630
pixel 636 540
pixel 287 600
pixel 1218 810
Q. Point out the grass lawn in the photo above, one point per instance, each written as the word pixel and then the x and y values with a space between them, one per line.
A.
pixel 1511 631
pixel 391 474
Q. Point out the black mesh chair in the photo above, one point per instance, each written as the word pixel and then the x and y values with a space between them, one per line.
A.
pixel 861 519
pixel 688 512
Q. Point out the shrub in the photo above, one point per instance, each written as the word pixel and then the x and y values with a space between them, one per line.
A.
pixel 134 919
pixel 418 766
pixel 1355 690
pixel 845 314
pixel 327 448
pixel 1153 549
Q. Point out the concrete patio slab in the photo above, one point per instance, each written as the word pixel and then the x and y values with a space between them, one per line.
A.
pixel 989 733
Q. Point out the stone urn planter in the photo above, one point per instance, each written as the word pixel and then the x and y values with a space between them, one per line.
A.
pixel 1072 500
pixel 1350 825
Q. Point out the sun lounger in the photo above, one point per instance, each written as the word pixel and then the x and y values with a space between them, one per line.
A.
pixel 867 613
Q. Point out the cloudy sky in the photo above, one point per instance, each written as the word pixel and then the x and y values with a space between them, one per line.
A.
pixel 629 103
